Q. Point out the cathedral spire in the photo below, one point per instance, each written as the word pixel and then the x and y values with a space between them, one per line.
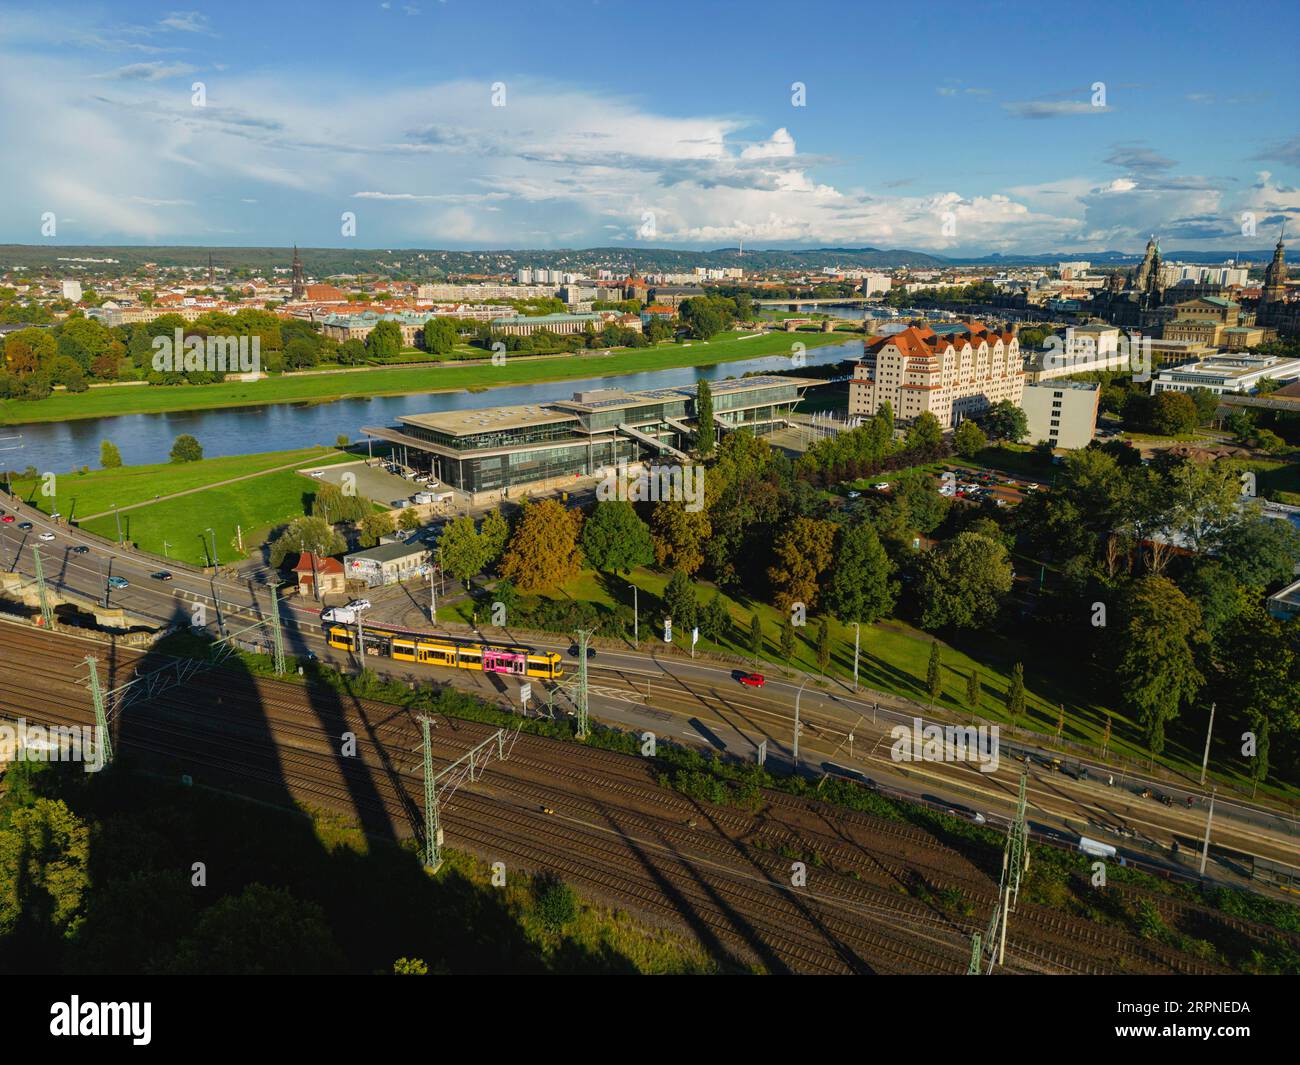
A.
pixel 299 285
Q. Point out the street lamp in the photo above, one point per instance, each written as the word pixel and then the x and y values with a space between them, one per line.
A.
pixel 636 619
pixel 215 561
pixel 118 517
pixel 797 727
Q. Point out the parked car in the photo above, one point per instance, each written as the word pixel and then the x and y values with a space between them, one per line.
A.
pixel 753 680
pixel 359 604
pixel 883 486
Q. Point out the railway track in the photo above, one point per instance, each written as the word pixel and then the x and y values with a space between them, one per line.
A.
pixel 620 835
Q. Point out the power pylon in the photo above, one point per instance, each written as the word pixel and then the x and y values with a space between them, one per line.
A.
pixel 432 829
pixel 47 612
pixel 973 969
pixel 584 722
pixel 101 717
pixel 438 786
pixel 1015 863
pixel 277 637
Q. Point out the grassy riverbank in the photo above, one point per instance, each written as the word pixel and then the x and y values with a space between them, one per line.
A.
pixel 323 388
pixel 237 495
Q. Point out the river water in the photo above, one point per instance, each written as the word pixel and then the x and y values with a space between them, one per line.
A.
pixel 148 438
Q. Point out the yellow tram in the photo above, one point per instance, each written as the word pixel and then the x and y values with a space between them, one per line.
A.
pixel 428 649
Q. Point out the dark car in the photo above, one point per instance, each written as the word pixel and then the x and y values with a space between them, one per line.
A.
pixel 24 525
pixel 81 549
pixel 161 575
pixel 573 652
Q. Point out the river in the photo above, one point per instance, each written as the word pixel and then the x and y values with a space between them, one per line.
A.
pixel 148 438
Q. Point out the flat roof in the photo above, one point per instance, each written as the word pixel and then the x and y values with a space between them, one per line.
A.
pixel 486 419
pixel 389 552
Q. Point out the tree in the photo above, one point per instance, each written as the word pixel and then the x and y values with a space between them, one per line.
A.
pixel 461 549
pixel 962 583
pixel 1016 692
pixel 44 870
pixel 375 525
pixel 859 588
pixel 439 336
pixel 755 637
pixel 109 457
pixel 824 645
pixel 1259 551
pixel 934 673
pixel 925 432
pixel 787 640
pixel 679 601
pixel 1173 413
pixel 352 352
pixel 715 619
pixel 543 552
pixel 186 449
pixel 679 535
pixel 307 534
pixel 260 930
pixel 342 441
pixel 704 416
pixel 1156 668
pixel 385 340
pixel 614 538
pixel 973 690
pixel 969 439
pixel 409 520
pixel 494 534
pixel 1005 421
pixel 332 504
pixel 802 552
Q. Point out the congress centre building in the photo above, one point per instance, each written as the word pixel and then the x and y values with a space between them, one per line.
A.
pixel 503 452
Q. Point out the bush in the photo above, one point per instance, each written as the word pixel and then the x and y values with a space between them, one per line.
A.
pixel 555 903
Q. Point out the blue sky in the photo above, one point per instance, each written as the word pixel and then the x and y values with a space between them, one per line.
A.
pixel 955 128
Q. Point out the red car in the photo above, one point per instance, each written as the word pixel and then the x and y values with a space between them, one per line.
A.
pixel 8 519
pixel 752 680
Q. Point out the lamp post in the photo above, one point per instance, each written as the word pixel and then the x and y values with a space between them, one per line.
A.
pixel 636 619
pixel 118 517
pixel 797 726
pixel 215 561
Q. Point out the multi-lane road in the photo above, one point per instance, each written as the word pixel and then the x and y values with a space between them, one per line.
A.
pixel 701 701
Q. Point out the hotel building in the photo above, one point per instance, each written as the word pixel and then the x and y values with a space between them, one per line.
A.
pixel 953 371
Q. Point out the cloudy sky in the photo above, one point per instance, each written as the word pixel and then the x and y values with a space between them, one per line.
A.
pixel 962 129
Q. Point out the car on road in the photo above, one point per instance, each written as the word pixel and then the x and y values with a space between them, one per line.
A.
pixel 161 575
pixel 118 582
pixel 753 680
pixel 8 519
pixel 24 525
pixel 573 652
pixel 81 549
pixel 318 474
pixel 46 537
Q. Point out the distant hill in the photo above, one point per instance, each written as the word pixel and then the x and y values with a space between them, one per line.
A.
pixel 433 264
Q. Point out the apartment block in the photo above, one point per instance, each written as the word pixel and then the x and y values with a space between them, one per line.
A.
pixel 1064 413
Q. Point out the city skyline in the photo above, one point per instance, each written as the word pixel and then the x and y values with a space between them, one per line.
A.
pixel 601 127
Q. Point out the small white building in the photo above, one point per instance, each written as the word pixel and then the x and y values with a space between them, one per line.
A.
pixel 1239 372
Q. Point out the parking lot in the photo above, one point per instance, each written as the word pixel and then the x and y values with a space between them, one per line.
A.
pixel 372 482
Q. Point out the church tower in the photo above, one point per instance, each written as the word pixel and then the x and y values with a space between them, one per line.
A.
pixel 1274 290
pixel 299 285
